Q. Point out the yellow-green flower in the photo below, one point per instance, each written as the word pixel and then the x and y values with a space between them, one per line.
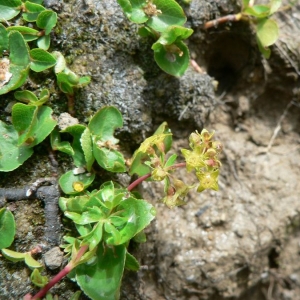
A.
pixel 208 180
pixel 193 159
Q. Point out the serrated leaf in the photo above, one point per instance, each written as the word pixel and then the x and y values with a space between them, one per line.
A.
pixel 11 155
pixel 9 9
pixel 104 123
pixel 67 181
pixel 46 20
pixel 102 280
pixel 7 228
pixel 41 60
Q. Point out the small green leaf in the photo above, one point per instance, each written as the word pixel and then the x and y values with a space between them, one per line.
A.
pixel 28 33
pixel 267 32
pixel 87 147
pixel 171 14
pixel 7 228
pixel 171 160
pixel 3 39
pixel 33 123
pixel 83 81
pixel 173 59
pixel 110 160
pixel 102 280
pixel 131 262
pixel 13 255
pixel 32 11
pixel 46 20
pixel 94 237
pixel 64 84
pixel 44 42
pixel 67 181
pixel 41 60
pixel 104 123
pixel 9 9
pixel 134 10
pixel 60 62
pixel 11 155
pixel 26 96
pixel 58 145
pixel 31 262
pixel 258 11
pixel 37 278
pixel 76 131
pixel 274 6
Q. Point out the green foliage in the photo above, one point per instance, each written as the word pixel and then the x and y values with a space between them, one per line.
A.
pixel 163 21
pixel 7 228
pixel 18 256
pixel 266 29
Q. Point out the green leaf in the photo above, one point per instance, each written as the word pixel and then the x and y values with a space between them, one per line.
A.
pixel 274 6
pixel 134 10
pixel 131 262
pixel 60 62
pixel 91 215
pixel 266 52
pixel 46 20
pixel 9 9
pixel 3 39
pixel 18 62
pixel 87 147
pixel 104 123
pixel 258 11
pixel 267 32
pixel 171 14
pixel 76 131
pixel 41 60
pixel 7 228
pixel 28 33
pixel 171 160
pixel 13 255
pixel 110 160
pixel 173 59
pixel 64 83
pixel 94 237
pixel 11 155
pixel 68 182
pixel 33 123
pixel 44 42
pixel 26 96
pixel 102 280
pixel 139 213
pixel 31 262
pixel 32 11
pixel 172 35
pixel 83 81
pixel 58 145
pixel 37 278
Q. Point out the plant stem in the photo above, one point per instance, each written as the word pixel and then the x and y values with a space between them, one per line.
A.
pixel 65 271
pixel 144 177
pixel 228 18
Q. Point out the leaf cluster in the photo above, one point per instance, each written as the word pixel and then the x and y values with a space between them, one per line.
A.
pixel 163 20
pixel 266 29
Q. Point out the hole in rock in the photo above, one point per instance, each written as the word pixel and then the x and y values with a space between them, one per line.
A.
pixel 227 57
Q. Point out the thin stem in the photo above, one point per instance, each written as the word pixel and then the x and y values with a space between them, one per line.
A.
pixel 144 177
pixel 228 18
pixel 65 271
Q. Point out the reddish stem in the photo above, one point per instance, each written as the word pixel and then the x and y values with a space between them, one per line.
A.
pixel 228 18
pixel 144 177
pixel 65 271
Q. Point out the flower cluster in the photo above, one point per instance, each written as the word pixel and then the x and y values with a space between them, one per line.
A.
pixel 203 158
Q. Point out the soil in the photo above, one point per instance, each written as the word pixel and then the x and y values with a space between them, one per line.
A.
pixel 242 242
